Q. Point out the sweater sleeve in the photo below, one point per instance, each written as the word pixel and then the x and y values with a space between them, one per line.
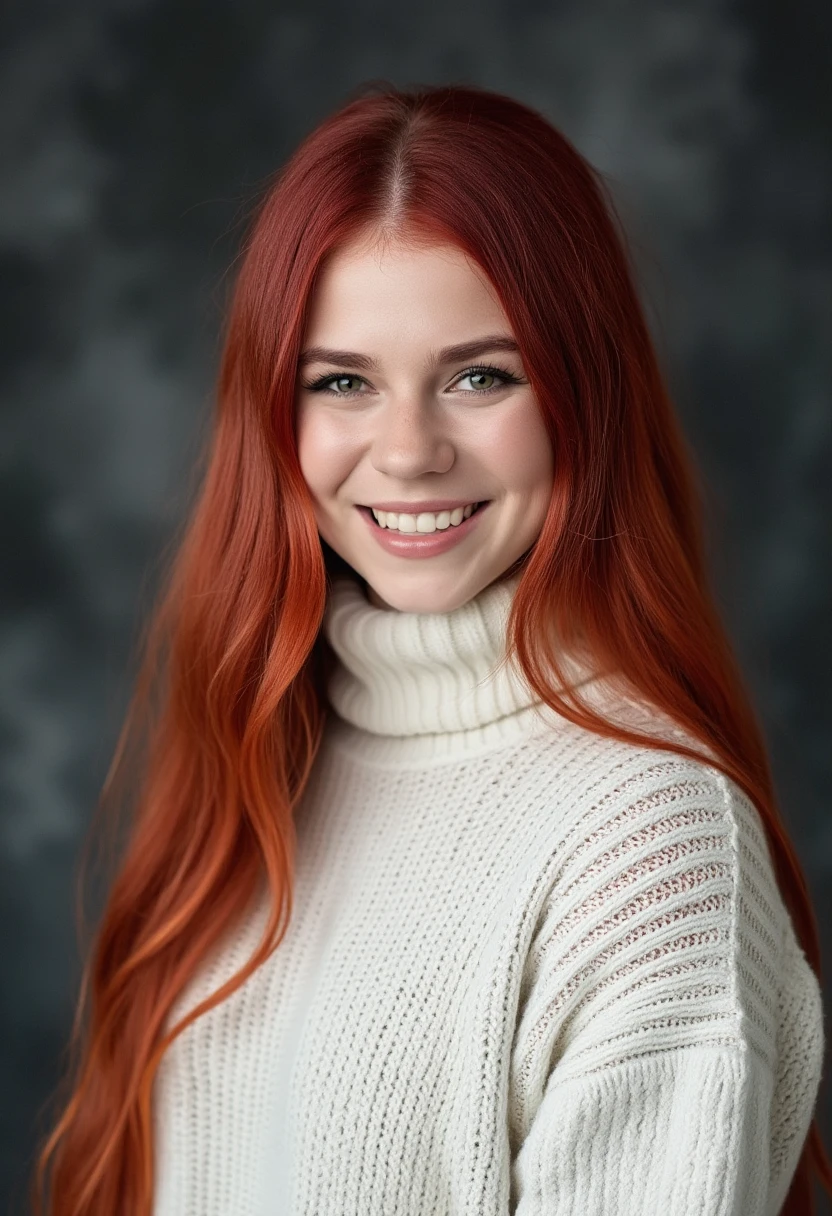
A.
pixel 669 1040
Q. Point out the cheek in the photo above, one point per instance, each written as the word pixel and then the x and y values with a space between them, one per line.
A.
pixel 520 450
pixel 325 454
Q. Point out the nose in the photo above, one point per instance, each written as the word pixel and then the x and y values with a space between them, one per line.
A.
pixel 409 440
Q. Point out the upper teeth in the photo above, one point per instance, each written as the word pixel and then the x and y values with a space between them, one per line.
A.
pixel 425 521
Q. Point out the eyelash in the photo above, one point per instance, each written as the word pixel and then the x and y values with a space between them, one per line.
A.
pixel 320 385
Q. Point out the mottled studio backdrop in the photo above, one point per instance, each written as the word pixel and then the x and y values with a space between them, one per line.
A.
pixel 134 137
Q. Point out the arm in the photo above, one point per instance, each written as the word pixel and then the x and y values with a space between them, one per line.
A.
pixel 647 1065
pixel 684 1132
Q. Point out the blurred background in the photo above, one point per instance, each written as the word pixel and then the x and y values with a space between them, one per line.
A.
pixel 134 138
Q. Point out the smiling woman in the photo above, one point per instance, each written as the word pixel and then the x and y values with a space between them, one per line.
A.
pixel 454 879
pixel 421 434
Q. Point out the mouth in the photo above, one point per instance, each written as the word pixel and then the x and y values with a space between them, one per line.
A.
pixel 367 511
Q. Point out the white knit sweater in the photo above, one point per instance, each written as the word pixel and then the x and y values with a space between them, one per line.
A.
pixel 529 970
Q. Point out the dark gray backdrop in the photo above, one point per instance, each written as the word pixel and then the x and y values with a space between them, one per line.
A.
pixel 134 136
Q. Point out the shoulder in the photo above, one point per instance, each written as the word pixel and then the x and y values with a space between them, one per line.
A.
pixel 652 827
pixel 619 801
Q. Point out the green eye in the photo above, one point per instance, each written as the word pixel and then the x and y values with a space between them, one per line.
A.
pixel 334 383
pixel 323 385
pixel 494 373
pixel 339 380
pixel 474 376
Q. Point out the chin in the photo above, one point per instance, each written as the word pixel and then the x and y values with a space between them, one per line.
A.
pixel 420 599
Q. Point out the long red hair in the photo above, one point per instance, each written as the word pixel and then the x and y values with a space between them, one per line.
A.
pixel 229 706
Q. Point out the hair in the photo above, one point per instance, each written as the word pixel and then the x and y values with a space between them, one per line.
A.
pixel 229 705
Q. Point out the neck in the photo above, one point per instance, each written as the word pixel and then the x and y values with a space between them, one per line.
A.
pixel 404 674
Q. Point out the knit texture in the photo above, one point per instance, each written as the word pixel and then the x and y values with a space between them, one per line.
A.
pixel 529 970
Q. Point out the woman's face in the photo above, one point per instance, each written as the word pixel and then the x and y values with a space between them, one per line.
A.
pixel 388 414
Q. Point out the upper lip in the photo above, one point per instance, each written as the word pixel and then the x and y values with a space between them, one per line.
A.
pixel 430 504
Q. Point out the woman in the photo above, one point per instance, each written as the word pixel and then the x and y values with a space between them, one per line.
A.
pixel 456 882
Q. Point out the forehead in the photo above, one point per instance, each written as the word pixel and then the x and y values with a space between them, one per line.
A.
pixel 396 281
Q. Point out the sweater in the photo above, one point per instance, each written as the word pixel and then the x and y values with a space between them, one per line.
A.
pixel 529 969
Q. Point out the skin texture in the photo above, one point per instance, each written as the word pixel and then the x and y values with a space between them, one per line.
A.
pixel 407 429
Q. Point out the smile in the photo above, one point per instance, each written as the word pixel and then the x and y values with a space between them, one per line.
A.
pixel 425 521
pixel 427 541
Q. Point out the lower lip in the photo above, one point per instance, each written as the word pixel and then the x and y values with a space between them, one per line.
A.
pixel 422 544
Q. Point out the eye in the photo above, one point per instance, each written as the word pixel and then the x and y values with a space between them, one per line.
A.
pixel 477 374
pixel 496 378
pixel 325 383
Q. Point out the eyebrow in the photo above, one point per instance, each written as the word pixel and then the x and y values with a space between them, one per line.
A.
pixel 448 354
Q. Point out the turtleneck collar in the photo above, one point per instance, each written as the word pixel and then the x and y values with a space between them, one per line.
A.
pixel 427 674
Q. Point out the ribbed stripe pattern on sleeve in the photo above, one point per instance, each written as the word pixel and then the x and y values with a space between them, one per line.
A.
pixel 655 993
pixel 529 971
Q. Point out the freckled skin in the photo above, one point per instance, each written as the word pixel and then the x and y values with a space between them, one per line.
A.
pixel 411 431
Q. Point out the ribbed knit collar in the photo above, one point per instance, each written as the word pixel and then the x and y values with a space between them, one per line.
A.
pixel 410 674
